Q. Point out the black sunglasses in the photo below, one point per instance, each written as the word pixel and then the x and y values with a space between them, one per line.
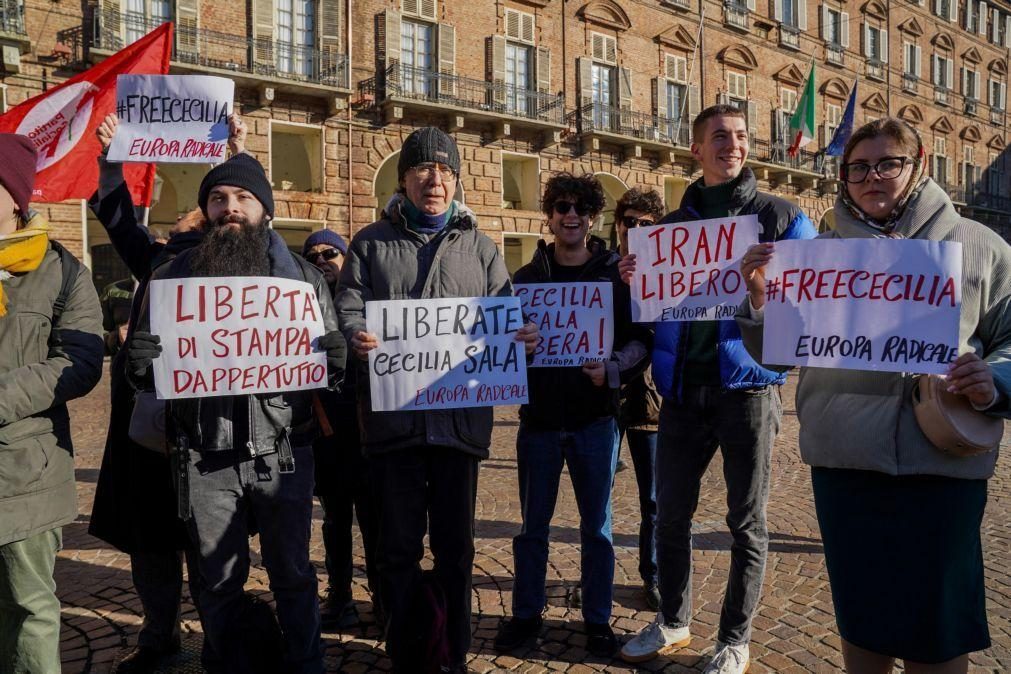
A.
pixel 631 222
pixel 563 207
pixel 328 254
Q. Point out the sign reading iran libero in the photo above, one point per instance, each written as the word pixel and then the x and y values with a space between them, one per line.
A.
pixel 172 118
pixel 236 335
pixel 689 271
pixel 446 353
pixel 574 321
pixel 867 304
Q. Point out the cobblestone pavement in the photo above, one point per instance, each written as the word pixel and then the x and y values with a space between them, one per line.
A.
pixel 793 632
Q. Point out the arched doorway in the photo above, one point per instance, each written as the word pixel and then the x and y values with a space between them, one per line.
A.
pixel 603 226
pixel 385 184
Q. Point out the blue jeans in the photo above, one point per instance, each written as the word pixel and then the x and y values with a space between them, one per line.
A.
pixel 743 424
pixel 642 447
pixel 591 454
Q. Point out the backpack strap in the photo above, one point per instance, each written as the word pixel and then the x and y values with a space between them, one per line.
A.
pixel 71 267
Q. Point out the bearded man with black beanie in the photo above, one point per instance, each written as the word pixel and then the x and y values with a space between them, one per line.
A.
pixel 251 455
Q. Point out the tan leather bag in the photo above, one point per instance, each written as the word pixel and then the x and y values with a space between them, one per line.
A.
pixel 950 421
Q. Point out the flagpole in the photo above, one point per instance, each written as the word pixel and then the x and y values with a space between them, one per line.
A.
pixel 691 72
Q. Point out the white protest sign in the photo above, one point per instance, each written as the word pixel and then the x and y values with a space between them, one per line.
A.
pixel 689 271
pixel 863 304
pixel 575 321
pixel 236 335
pixel 172 118
pixel 446 353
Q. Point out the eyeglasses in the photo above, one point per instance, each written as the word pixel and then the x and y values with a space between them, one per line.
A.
pixel 888 168
pixel 425 171
pixel 328 254
pixel 563 208
pixel 631 222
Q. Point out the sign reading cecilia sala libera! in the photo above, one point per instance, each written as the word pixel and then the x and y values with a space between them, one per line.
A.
pixel 575 321
pixel 446 353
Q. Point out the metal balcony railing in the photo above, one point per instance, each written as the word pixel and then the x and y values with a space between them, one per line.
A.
pixel 834 54
pixel 996 116
pixel 680 4
pixel 941 95
pixel 406 82
pixel 955 192
pixel 736 15
pixel 970 106
pixel 875 70
pixel 12 17
pixel 775 152
pixel 201 47
pixel 789 36
pixel 595 117
pixel 910 83
pixel 995 202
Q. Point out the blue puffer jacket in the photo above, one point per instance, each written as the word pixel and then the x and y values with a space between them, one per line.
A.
pixel 779 219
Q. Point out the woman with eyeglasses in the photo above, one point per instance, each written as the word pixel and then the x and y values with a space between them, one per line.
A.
pixel 900 519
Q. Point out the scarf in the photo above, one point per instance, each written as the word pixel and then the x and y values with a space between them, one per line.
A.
pixel 423 223
pixel 917 181
pixel 22 251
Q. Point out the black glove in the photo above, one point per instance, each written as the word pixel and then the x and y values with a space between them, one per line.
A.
pixel 142 350
pixel 336 348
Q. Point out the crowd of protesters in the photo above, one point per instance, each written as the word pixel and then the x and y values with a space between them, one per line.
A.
pixel 900 520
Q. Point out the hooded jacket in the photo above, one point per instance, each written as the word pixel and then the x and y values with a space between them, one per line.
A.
pixel 865 420
pixel 778 219
pixel 389 261
pixel 563 398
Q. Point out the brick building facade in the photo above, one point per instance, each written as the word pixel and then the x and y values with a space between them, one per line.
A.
pixel 529 87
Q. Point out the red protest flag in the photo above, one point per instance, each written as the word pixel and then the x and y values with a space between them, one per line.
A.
pixel 61 122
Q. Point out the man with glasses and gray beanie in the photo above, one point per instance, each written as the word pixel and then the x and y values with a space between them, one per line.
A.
pixel 424 463
pixel 246 457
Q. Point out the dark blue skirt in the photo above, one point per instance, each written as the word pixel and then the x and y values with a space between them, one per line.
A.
pixel 904 561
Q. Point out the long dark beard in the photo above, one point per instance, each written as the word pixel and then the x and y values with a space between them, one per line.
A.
pixel 225 251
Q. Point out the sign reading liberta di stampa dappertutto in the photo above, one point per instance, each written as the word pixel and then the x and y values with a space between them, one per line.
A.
pixel 446 353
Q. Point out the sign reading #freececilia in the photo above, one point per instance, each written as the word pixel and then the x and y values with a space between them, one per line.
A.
pixel 574 321
pixel 446 353
pixel 863 304
pixel 172 118
pixel 235 336
pixel 689 271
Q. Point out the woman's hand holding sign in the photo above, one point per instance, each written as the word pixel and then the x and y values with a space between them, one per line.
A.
pixel 753 271
pixel 971 376
pixel 528 334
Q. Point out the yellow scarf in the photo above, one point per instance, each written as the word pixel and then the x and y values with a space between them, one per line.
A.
pixel 22 251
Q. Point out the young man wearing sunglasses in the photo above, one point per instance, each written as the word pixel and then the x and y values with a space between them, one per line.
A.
pixel 570 420
pixel 714 395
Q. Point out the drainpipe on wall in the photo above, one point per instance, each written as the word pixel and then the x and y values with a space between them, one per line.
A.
pixel 565 63
pixel 351 184
pixel 888 57
pixel 702 53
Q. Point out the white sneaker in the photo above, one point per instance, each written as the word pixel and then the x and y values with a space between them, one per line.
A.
pixel 655 639
pixel 729 659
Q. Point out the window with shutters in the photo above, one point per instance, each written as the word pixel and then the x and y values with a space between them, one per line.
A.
pixel 604 48
pixel 942 8
pixel 969 168
pixel 972 16
pixel 833 25
pixel 417 58
pixel 875 44
pixel 676 68
pixel 940 161
pixel 942 71
pixel 676 102
pixel 997 90
pixel 519 26
pixel 833 117
pixel 737 89
pixel 295 31
pixel 791 12
pixel 422 9
pixel 296 157
pixel 604 94
pixel 143 15
pixel 910 60
pixel 788 100
pixel 518 77
pixel 995 174
pixel 970 83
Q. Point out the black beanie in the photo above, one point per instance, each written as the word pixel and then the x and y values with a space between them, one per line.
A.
pixel 242 170
pixel 428 144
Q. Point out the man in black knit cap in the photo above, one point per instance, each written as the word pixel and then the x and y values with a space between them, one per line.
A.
pixel 246 455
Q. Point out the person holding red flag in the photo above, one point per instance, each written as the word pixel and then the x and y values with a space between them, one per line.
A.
pixel 61 123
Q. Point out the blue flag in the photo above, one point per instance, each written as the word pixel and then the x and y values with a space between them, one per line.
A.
pixel 842 133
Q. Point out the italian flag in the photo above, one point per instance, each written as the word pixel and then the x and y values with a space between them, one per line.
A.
pixel 802 122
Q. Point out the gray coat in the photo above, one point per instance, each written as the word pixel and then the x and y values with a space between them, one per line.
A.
pixel 865 420
pixel 37 378
pixel 388 261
